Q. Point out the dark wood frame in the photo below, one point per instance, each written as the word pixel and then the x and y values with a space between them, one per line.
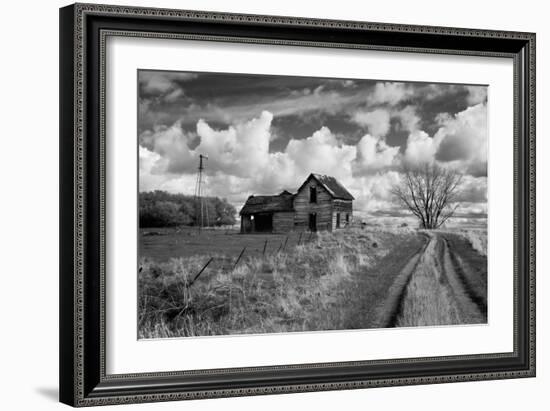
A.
pixel 83 29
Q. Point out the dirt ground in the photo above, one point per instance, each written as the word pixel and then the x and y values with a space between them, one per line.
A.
pixel 162 244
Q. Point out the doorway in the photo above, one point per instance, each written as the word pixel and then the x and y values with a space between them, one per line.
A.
pixel 313 222
pixel 263 223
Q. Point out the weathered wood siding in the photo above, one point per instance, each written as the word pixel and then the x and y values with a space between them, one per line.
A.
pixel 343 207
pixel 246 224
pixel 283 222
pixel 323 207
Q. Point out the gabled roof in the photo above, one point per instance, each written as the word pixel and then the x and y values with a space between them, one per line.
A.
pixel 333 187
pixel 284 200
pixel 259 204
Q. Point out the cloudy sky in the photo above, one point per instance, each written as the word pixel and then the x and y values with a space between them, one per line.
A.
pixel 264 134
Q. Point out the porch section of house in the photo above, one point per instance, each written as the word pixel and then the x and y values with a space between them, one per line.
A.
pixel 275 222
pixel 342 213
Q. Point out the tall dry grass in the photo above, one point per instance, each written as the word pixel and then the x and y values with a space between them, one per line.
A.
pixel 477 237
pixel 302 289
pixel 428 300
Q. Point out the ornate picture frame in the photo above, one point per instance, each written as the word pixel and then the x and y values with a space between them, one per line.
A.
pixel 84 30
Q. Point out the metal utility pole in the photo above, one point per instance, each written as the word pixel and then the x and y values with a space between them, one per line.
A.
pixel 201 216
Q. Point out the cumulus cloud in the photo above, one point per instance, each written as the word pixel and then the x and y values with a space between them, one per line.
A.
pixel 373 192
pixel 355 148
pixel 389 92
pixel 239 158
pixel 172 145
pixel 148 179
pixel 463 140
pixel 240 161
pixel 421 148
pixel 460 142
pixel 376 121
pixel 374 155
pixel 408 118
pixel 239 150
pixel 473 189
pixel 321 153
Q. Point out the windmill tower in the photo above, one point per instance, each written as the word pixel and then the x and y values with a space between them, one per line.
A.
pixel 201 207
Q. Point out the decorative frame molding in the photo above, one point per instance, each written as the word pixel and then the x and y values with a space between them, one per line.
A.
pixel 84 29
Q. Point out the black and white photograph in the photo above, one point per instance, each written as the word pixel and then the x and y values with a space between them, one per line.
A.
pixel 275 204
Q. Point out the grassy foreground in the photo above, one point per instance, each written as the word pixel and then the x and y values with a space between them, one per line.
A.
pixel 334 281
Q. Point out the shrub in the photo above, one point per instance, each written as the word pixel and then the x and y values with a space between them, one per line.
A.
pixel 163 209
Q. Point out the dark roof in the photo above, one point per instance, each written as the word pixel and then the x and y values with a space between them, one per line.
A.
pixel 334 188
pixel 259 204
pixel 284 200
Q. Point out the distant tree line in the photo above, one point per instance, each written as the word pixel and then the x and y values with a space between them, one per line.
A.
pixel 163 209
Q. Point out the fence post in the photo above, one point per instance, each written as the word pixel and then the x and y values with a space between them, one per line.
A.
pixel 239 258
pixel 200 272
pixel 286 240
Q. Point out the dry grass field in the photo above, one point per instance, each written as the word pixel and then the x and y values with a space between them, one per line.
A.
pixel 349 279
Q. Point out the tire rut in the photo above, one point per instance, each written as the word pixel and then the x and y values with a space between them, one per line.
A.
pixel 460 268
pixel 447 298
pixel 470 308
pixel 390 310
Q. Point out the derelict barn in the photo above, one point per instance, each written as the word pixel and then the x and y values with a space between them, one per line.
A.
pixel 321 203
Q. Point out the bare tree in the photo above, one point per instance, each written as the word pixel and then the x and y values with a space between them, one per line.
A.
pixel 429 191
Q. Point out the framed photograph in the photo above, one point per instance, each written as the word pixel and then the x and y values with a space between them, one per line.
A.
pixel 261 204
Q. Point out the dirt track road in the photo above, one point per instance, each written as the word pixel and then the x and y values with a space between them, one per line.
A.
pixel 441 285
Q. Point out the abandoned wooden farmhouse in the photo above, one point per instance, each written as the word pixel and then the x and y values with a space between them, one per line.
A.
pixel 321 203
